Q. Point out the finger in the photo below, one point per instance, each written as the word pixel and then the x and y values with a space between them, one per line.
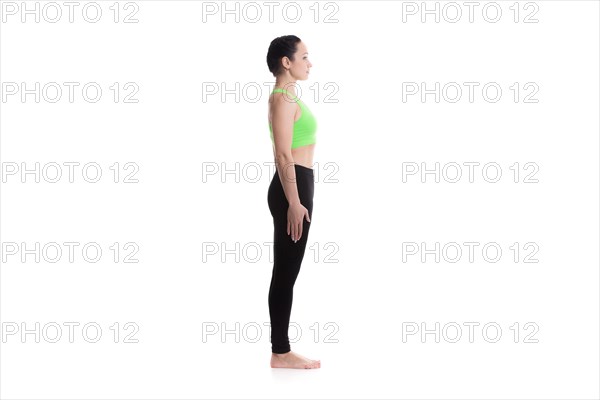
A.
pixel 299 230
pixel 307 216
pixel 288 227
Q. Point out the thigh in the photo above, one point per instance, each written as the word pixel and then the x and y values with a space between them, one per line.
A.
pixel 284 246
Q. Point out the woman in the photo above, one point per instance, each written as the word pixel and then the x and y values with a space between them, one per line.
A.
pixel 290 195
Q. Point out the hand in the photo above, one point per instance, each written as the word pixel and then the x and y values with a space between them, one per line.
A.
pixel 296 214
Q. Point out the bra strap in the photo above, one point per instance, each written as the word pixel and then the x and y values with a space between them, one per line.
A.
pixel 278 90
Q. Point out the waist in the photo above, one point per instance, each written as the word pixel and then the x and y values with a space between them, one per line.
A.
pixel 302 170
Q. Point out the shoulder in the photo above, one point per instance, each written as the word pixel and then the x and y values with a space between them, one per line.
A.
pixel 283 100
pixel 284 96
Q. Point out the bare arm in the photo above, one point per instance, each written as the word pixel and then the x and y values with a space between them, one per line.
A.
pixel 282 123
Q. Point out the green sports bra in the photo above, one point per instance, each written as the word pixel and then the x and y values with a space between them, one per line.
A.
pixel 304 129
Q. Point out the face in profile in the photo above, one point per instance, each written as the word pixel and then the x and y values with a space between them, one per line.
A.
pixel 300 67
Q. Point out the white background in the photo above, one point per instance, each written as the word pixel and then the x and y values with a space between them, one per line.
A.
pixel 366 132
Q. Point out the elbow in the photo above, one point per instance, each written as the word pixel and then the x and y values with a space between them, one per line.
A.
pixel 283 157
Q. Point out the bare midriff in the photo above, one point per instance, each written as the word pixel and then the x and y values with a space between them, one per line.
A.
pixel 304 155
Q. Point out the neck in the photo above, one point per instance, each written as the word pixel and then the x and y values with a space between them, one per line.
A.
pixel 286 83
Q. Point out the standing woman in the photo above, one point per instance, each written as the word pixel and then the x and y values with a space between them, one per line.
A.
pixel 290 196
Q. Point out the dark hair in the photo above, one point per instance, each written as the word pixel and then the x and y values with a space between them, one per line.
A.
pixel 283 46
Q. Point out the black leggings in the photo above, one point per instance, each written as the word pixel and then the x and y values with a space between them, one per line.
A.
pixel 287 254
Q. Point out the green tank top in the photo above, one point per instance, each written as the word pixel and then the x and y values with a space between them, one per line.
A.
pixel 304 129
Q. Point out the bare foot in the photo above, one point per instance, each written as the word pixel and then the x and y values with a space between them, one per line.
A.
pixel 293 360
